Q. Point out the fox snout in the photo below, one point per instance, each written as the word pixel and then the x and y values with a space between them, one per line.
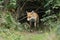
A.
pixel 28 19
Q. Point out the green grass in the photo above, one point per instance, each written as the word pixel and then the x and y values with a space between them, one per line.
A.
pixel 7 34
pixel 12 30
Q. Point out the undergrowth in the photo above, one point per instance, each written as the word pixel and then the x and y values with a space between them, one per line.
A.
pixel 10 29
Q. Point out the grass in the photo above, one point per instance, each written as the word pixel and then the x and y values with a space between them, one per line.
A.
pixel 7 34
pixel 8 30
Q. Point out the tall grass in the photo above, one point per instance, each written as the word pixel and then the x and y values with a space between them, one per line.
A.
pixel 7 21
pixel 9 27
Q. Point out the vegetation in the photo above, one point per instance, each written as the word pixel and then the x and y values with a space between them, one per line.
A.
pixel 11 29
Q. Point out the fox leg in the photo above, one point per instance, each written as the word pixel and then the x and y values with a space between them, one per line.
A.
pixel 38 22
pixel 35 25
pixel 30 27
pixel 30 24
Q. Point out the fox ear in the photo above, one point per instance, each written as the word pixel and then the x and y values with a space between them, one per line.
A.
pixel 32 11
pixel 26 11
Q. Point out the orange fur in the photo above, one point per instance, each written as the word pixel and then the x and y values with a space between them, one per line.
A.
pixel 33 16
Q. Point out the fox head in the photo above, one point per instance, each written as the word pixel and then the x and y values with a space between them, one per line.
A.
pixel 30 15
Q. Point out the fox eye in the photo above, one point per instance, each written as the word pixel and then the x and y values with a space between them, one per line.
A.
pixel 29 17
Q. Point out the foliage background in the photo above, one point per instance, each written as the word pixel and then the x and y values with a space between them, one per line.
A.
pixel 11 29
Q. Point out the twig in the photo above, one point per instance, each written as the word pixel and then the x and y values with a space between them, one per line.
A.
pixel 23 6
pixel 22 18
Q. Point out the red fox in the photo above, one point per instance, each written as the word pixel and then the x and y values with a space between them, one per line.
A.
pixel 33 17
